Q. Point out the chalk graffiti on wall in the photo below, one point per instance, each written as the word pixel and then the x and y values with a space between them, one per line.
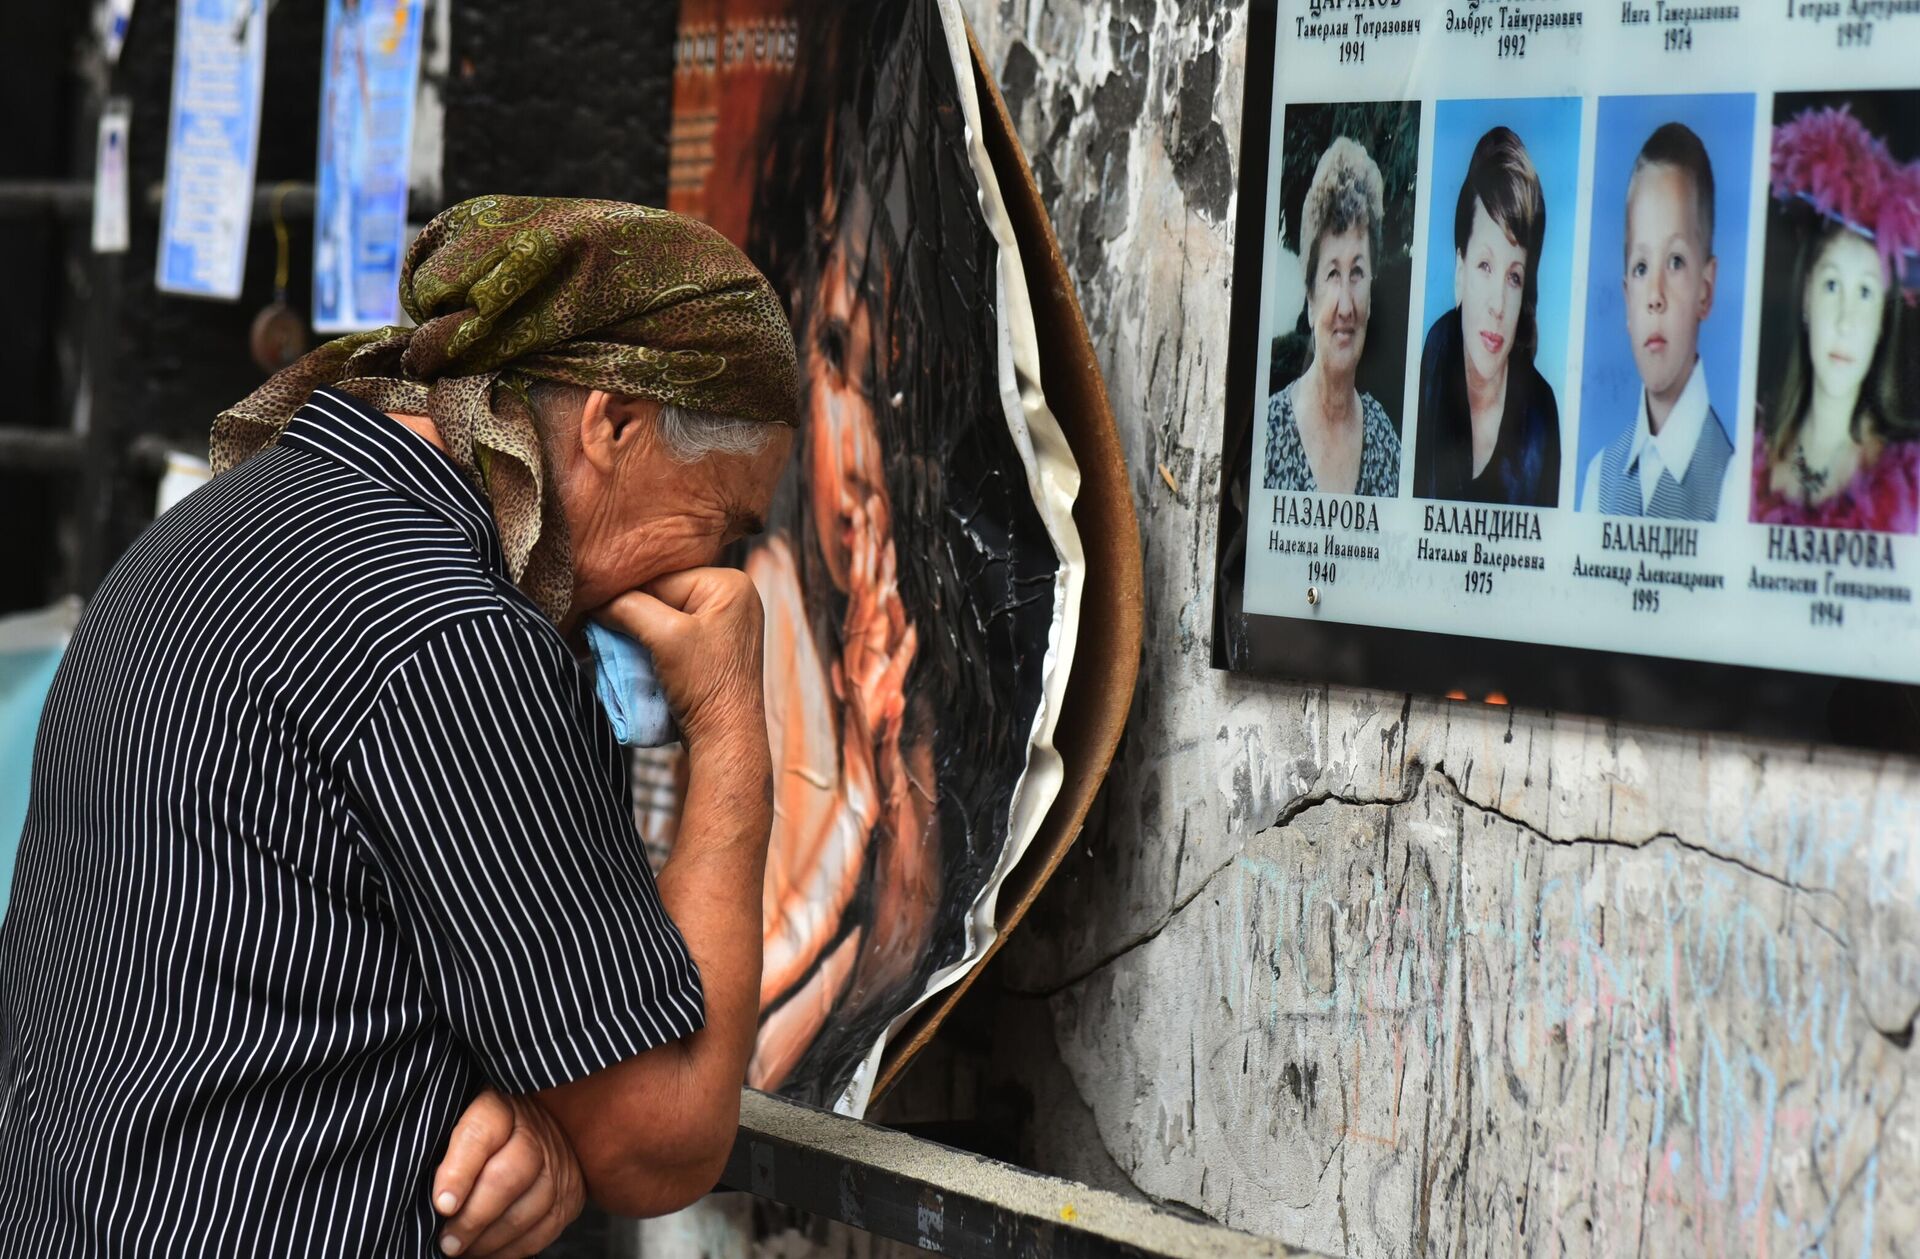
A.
pixel 1610 1044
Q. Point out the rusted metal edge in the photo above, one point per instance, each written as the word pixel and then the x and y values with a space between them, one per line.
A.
pixel 1106 662
pixel 944 1200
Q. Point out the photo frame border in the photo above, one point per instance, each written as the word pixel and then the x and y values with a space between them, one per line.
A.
pixel 1651 690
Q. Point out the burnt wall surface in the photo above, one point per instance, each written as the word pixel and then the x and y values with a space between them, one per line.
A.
pixel 571 98
pixel 568 98
pixel 1387 976
pixel 564 98
pixel 127 359
pixel 38 84
pixel 179 360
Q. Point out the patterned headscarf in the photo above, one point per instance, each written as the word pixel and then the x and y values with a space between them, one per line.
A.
pixel 508 290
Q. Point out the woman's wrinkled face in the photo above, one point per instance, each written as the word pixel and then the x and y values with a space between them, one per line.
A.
pixel 635 511
pixel 1844 304
pixel 1340 297
pixel 1489 280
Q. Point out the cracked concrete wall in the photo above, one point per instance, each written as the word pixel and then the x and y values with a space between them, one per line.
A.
pixel 1391 977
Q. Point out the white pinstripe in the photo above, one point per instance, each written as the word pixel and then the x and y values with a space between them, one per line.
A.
pixel 326 830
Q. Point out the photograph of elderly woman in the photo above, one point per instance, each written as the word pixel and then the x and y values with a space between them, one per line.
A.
pixel 1837 434
pixel 1342 275
pixel 1499 286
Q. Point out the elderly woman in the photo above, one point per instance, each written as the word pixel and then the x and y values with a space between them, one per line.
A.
pixel 1322 432
pixel 1841 443
pixel 1489 430
pixel 327 832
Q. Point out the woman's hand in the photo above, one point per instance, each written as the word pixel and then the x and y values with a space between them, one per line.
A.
pixel 878 643
pixel 704 628
pixel 509 1182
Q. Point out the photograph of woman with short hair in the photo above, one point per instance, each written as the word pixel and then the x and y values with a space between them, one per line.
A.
pixel 1326 432
pixel 1489 426
pixel 1838 440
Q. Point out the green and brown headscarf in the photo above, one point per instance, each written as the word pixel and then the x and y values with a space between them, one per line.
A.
pixel 509 290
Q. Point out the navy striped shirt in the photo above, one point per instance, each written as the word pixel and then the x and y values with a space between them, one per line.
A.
pixel 326 832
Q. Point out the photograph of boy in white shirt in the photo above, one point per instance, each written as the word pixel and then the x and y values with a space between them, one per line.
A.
pixel 1673 461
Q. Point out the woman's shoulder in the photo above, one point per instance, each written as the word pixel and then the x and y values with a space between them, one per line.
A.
pixel 1892 487
pixel 1443 334
pixel 1901 456
pixel 1379 450
pixel 1280 402
pixel 1439 397
pixel 1286 457
pixel 1541 404
pixel 1377 425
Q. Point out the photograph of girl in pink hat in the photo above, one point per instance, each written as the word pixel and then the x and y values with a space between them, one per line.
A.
pixel 1837 443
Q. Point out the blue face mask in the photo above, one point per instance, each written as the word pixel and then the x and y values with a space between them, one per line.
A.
pixel 628 688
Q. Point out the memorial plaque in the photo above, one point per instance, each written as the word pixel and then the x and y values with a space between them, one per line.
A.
pixel 1573 359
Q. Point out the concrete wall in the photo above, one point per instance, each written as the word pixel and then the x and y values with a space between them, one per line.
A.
pixel 1385 976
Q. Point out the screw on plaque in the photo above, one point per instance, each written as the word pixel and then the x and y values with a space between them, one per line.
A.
pixel 279 335
pixel 1313 595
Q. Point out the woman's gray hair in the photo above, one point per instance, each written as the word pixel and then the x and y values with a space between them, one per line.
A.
pixel 693 435
pixel 1346 191
pixel 688 435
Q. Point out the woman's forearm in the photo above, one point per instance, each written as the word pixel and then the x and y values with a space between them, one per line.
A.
pixel 653 1133
pixel 711 887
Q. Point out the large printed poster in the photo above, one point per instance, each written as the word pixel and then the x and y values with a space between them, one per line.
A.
pixel 1590 325
pixel 920 571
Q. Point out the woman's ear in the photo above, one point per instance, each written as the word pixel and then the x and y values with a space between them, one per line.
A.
pixel 596 430
pixel 612 426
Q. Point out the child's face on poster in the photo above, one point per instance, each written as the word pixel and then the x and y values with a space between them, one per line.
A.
pixel 1669 279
